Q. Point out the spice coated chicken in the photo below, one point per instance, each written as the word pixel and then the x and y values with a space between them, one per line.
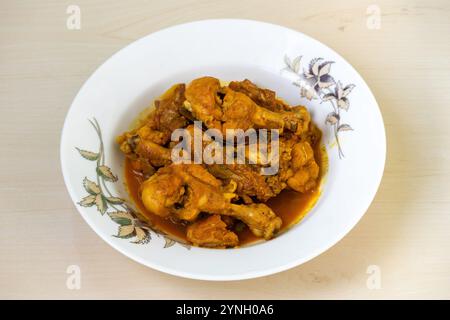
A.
pixel 211 198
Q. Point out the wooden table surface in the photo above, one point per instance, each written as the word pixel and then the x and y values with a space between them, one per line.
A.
pixel 405 235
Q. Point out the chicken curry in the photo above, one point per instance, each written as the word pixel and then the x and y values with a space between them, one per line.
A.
pixel 222 205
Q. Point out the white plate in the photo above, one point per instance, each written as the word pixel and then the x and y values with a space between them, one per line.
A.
pixel 230 50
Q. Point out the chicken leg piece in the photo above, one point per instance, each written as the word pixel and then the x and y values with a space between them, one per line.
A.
pixel 211 232
pixel 203 101
pixel 306 170
pixel 183 191
pixel 157 155
pixel 261 220
pixel 241 112
pixel 264 97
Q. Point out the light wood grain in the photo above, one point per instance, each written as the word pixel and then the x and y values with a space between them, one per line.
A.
pixel 405 232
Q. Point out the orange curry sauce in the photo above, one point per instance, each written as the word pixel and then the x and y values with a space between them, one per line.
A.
pixel 289 205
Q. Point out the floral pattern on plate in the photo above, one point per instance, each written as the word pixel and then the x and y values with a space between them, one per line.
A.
pixel 315 82
pixel 100 196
